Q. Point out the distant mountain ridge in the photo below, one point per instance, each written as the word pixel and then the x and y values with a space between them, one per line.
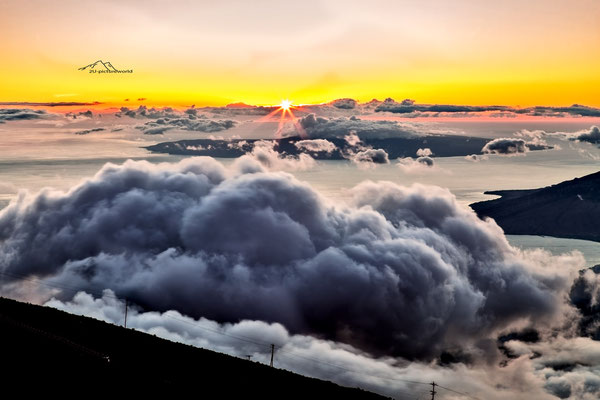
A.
pixel 570 209
pixel 441 146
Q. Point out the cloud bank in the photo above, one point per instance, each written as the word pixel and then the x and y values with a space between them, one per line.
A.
pixel 324 128
pixel 20 114
pixel 190 123
pixel 402 271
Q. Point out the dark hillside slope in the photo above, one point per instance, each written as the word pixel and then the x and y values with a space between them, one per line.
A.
pixel 570 209
pixel 50 351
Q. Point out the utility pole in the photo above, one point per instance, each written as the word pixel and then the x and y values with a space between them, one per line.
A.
pixel 272 353
pixel 433 392
pixel 125 324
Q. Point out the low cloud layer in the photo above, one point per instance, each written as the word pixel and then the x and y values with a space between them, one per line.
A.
pixel 411 108
pixel 400 271
pixel 324 128
pixel 189 123
pixel 345 104
pixel 20 114
pixel 145 112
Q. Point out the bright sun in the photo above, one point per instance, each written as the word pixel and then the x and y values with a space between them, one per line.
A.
pixel 285 104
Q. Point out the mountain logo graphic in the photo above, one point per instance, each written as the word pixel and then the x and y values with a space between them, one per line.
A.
pixel 100 67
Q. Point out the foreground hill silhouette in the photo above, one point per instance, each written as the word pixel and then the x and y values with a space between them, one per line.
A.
pixel 51 351
pixel 570 209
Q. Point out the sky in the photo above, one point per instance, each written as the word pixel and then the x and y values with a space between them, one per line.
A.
pixel 213 53
pixel 350 240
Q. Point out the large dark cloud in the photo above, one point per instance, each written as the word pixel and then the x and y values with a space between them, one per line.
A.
pixel 404 271
pixel 19 114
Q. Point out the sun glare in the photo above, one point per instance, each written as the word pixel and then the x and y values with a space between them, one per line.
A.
pixel 285 104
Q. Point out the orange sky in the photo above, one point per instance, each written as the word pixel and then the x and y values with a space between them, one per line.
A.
pixel 214 53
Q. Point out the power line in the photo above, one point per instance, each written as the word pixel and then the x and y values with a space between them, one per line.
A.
pixel 350 370
pixel 433 392
pixel 457 392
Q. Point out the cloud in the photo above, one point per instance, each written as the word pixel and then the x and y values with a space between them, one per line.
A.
pixel 240 109
pixel 345 104
pixel 376 156
pixel 157 130
pixel 538 137
pixel 19 114
pixel 422 164
pixel 409 106
pixel 536 369
pixel 404 271
pixel 315 145
pixel 50 104
pixel 506 146
pixel 574 110
pixel 264 152
pixel 324 128
pixel 145 112
pixel 475 157
pixel 85 114
pixel 86 131
pixel 189 123
pixel 591 136
pixel 426 152
pixel 362 155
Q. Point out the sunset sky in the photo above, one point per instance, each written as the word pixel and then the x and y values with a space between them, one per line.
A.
pixel 206 52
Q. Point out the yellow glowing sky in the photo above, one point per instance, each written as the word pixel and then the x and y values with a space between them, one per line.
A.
pixel 216 52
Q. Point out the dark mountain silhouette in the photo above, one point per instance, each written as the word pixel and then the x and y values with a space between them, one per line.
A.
pixel 570 209
pixel 99 65
pixel 441 146
pixel 51 351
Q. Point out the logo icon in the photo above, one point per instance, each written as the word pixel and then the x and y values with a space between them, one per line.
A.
pixel 101 67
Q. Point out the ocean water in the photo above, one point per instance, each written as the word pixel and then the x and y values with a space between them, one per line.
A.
pixel 589 249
